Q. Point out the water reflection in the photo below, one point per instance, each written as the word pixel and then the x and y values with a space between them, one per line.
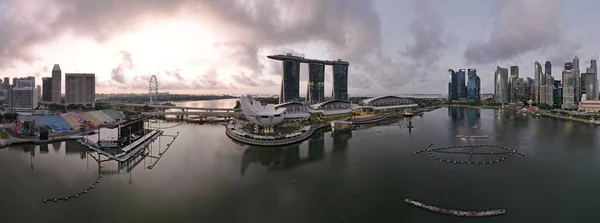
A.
pixel 461 125
pixel 288 157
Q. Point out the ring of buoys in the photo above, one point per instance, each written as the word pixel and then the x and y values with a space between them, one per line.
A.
pixel 100 167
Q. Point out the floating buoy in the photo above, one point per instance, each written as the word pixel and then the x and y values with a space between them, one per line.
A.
pixel 85 192
pixel 55 200
pixel 92 186
pixel 76 195
pixel 44 200
pixel 66 198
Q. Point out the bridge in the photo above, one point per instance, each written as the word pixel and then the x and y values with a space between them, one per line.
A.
pixel 202 114
pixel 184 109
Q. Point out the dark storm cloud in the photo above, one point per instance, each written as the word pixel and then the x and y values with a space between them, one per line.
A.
pixel 520 26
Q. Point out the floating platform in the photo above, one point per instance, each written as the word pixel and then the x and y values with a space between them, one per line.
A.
pixel 459 213
pixel 472 137
pixel 130 150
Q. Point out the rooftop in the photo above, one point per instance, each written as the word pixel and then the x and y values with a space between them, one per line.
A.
pixel 306 60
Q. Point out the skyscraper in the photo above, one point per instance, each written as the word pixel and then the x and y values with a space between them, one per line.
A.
pixel 501 85
pixel 473 86
pixel 340 82
pixel 568 81
pixel 589 85
pixel 577 84
pixel 47 89
pixel 316 83
pixel 290 82
pixel 514 76
pixel 461 84
pixel 56 84
pixel 80 89
pixel 537 73
pixel 452 90
pixel 548 68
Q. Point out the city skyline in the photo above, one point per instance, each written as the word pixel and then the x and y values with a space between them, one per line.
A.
pixel 395 47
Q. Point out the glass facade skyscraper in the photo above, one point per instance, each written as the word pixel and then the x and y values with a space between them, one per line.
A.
pixel 473 86
pixel 461 84
pixel 537 72
pixel 290 83
pixel 316 83
pixel 340 82
pixel 452 89
pixel 501 85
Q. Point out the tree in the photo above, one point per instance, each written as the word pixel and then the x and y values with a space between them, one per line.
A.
pixel 10 117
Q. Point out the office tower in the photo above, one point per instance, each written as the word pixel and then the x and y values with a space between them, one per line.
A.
pixel 452 85
pixel 6 83
pixel 340 81
pixel 23 94
pixel 549 90
pixel 514 75
pixel 569 91
pixel 56 84
pixel 589 86
pixel 531 85
pixel 593 69
pixel 537 72
pixel 548 68
pixel 290 83
pixel 577 84
pixel 316 83
pixel 38 92
pixel 461 84
pixel 501 85
pixel 558 91
pixel 80 88
pixel 472 86
pixel 47 89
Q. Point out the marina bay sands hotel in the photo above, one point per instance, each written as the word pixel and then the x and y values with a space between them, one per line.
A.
pixel 290 83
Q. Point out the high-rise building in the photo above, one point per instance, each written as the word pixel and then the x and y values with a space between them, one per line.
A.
pixel 47 89
pixel 340 82
pixel 473 85
pixel 537 72
pixel 501 85
pixel 452 88
pixel 461 84
pixel 568 82
pixel 290 83
pixel 593 69
pixel 24 95
pixel 531 85
pixel 514 76
pixel 589 86
pixel 316 83
pixel 577 84
pixel 38 92
pixel 549 90
pixel 80 88
pixel 548 68
pixel 56 84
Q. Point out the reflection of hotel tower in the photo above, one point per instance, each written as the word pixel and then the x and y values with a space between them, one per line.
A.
pixel 289 157
pixel 290 82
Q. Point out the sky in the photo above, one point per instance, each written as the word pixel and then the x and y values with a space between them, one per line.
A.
pixel 220 47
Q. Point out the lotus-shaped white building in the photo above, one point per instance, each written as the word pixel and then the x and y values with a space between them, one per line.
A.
pixel 261 115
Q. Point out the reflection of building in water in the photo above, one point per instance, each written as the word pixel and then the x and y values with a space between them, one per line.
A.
pixel 289 157
pixel 457 115
pixel 316 145
pixel 340 140
pixel 44 148
pixel 473 117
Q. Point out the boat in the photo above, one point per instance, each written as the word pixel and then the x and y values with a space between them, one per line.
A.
pixel 455 212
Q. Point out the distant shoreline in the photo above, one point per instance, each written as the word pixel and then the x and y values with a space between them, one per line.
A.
pixel 474 106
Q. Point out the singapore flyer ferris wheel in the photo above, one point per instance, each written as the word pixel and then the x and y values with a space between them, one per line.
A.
pixel 153 89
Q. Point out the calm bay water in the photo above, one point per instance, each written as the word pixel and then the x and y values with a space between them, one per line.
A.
pixel 363 176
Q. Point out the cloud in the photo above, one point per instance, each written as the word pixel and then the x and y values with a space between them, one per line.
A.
pixel 247 80
pixel 520 26
pixel 118 73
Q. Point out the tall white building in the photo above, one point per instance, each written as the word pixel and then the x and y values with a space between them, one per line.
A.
pixel 24 95
pixel 80 88
pixel 501 85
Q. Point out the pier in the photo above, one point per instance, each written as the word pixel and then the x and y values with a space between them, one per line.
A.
pixel 459 213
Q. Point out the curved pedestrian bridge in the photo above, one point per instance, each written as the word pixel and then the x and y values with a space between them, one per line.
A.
pixel 459 213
